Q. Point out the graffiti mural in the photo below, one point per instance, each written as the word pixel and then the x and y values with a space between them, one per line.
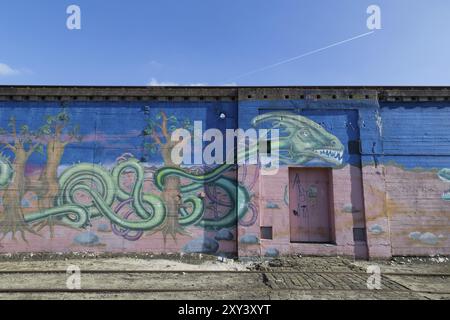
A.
pixel 22 143
pixel 99 176
pixel 303 140
pixel 86 191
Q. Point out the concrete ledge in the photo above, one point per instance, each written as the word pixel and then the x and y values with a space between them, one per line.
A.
pixel 178 93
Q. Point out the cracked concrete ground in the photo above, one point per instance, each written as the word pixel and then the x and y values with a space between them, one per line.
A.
pixel 162 277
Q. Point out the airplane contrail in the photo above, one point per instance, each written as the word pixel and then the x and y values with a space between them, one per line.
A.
pixel 300 56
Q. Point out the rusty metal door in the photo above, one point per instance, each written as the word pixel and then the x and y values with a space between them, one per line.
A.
pixel 309 205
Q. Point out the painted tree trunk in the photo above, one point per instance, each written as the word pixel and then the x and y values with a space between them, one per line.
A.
pixel 12 217
pixel 171 196
pixel 48 180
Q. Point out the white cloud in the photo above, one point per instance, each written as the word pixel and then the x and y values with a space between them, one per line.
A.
pixel 198 84
pixel 154 82
pixel 6 70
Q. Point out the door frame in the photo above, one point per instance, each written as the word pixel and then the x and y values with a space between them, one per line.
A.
pixel 331 211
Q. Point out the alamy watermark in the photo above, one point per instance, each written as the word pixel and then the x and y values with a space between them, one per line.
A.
pixel 73 281
pixel 238 146
pixel 374 280
pixel 73 21
pixel 374 20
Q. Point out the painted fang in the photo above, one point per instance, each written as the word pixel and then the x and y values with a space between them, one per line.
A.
pixel 330 155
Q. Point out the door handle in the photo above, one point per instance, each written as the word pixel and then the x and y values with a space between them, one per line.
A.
pixel 295 212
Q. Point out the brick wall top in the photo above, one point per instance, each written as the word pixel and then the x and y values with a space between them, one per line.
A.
pixel 222 93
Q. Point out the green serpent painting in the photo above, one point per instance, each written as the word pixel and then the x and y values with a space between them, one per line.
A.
pixel 104 188
pixel 303 139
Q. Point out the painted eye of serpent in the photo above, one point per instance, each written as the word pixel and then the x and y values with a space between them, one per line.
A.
pixel 304 133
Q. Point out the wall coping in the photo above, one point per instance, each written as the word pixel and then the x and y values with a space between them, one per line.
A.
pixel 224 93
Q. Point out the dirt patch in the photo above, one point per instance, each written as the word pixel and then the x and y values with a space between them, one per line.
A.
pixel 125 264
pixel 425 265
pixel 305 277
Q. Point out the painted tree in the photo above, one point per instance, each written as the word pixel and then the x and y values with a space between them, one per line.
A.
pixel 57 133
pixel 160 129
pixel 22 142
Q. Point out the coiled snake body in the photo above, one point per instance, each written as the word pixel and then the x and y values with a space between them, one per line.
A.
pixel 104 188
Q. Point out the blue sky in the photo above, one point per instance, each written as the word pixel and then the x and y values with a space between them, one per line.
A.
pixel 138 42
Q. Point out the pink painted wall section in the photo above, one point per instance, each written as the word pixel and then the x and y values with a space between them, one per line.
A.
pixel 405 212
pixel 349 210
pixel 249 237
pixel 377 221
pixel 271 193
pixel 400 210
pixel 419 218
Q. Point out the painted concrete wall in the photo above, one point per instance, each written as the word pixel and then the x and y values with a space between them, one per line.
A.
pixel 95 176
pixel 83 177
pixel 416 152
pixel 339 119
pixel 394 186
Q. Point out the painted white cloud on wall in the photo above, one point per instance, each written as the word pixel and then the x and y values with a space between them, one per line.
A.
pixel 426 237
pixel 376 229
pixel 415 235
